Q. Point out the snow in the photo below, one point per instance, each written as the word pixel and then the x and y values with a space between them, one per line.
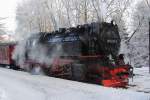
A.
pixel 141 80
pixel 17 85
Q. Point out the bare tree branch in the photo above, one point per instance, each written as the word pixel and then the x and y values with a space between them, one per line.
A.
pixel 139 25
pixel 98 17
pixel 147 3
pixel 51 15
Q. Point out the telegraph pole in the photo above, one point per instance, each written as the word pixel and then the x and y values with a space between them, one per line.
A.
pixel 149 45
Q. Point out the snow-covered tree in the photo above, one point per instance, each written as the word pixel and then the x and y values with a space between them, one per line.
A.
pixel 2 29
pixel 48 15
pixel 139 41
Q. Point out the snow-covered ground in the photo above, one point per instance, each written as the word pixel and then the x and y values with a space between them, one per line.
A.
pixel 141 80
pixel 16 85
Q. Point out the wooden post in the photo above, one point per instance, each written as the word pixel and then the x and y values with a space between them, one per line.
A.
pixel 149 41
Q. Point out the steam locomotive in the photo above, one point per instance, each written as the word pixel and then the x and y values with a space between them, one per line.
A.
pixel 86 53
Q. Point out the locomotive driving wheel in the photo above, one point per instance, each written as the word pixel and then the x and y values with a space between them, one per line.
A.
pixel 78 72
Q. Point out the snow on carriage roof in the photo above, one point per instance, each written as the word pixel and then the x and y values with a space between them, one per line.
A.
pixel 6 39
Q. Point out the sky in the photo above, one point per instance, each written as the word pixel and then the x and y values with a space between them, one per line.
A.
pixel 7 11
